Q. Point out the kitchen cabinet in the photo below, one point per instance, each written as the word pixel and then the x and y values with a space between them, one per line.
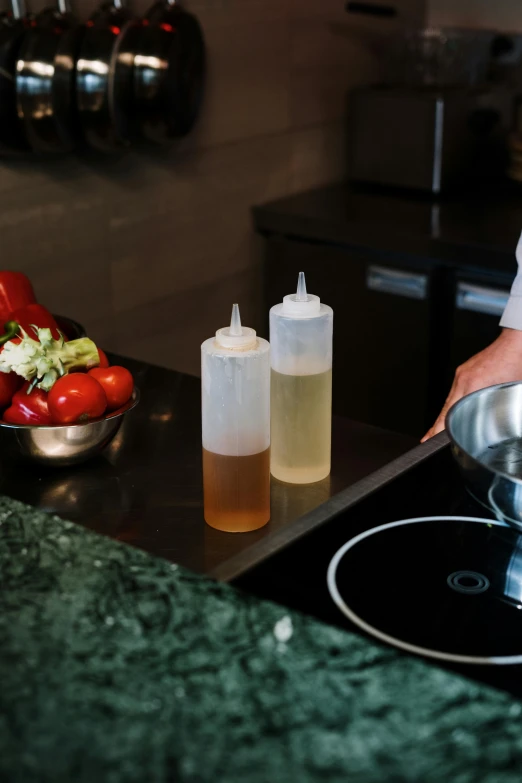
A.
pixel 478 303
pixel 417 286
pixel 382 317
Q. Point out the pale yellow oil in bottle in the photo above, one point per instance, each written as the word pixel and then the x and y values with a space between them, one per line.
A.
pixel 301 427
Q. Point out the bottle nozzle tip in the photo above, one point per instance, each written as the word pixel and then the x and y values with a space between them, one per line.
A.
pixel 301 295
pixel 236 336
pixel 235 322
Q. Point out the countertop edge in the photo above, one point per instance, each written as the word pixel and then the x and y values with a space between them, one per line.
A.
pixel 239 564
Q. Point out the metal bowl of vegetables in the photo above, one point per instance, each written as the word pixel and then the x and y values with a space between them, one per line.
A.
pixel 62 401
pixel 59 445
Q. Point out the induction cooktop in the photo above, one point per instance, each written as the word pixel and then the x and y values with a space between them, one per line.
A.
pixel 419 565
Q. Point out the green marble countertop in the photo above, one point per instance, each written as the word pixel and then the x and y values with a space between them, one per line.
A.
pixel 116 667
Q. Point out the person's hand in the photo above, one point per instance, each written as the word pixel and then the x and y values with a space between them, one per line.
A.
pixel 500 362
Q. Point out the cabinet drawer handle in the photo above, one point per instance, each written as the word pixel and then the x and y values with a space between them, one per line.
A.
pixel 396 282
pixel 478 299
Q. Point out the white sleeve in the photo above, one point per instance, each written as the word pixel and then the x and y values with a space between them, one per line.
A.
pixel 512 317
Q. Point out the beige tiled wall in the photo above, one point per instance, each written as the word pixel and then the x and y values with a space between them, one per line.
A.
pixel 151 249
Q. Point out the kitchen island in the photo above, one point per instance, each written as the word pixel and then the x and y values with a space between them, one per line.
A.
pixel 119 666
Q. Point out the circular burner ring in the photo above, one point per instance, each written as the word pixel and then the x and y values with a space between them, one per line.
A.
pixel 468 582
pixel 501 660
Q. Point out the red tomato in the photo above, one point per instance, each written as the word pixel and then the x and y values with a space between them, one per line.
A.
pixel 104 362
pixel 117 383
pixel 10 382
pixel 76 398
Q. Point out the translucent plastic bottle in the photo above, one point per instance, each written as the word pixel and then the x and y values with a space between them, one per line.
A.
pixel 301 331
pixel 235 379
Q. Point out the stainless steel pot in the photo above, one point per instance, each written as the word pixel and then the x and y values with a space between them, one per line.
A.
pixel 485 429
pixel 104 78
pixel 45 63
pixel 169 72
pixel 13 27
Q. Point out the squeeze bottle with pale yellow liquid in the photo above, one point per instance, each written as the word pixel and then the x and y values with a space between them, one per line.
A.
pixel 235 381
pixel 301 332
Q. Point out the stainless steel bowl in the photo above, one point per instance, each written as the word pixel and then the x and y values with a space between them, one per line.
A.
pixel 64 445
pixel 485 429
pixel 71 328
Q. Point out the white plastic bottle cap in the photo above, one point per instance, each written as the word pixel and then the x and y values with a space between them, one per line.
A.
pixel 301 303
pixel 235 335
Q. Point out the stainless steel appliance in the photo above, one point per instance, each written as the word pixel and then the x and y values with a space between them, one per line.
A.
pixel 427 138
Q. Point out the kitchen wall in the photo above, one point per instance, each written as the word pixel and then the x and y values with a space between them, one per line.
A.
pixel 505 15
pixel 149 251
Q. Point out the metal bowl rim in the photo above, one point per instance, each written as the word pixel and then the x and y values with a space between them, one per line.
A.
pixel 455 442
pixel 134 400
pixel 76 324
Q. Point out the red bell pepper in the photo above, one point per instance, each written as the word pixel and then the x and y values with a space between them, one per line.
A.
pixel 35 315
pixel 10 382
pixel 29 408
pixel 16 291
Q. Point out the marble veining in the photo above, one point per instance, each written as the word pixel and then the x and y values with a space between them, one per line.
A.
pixel 116 666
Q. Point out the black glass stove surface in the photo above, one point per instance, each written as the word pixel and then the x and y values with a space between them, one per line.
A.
pixel 403 584
pixel 448 589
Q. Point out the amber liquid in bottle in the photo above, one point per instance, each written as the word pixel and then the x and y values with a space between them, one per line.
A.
pixel 237 491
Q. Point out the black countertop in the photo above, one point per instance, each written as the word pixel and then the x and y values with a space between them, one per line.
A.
pixel 474 230
pixel 146 488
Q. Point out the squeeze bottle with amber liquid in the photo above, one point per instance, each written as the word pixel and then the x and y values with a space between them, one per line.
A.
pixel 235 380
pixel 301 331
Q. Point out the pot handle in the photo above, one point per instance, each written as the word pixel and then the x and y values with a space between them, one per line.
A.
pixel 18 8
pixel 501 515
